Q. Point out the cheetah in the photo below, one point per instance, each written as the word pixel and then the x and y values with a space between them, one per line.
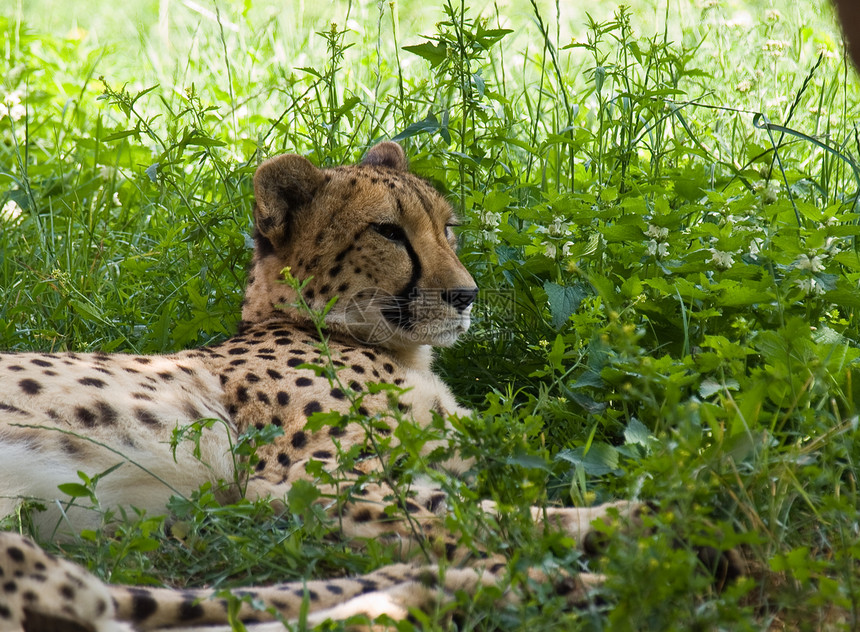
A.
pixel 371 247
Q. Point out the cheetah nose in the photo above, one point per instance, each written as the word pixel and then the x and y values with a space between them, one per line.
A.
pixel 460 297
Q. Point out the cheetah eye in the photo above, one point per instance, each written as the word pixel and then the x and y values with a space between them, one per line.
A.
pixel 392 232
pixel 449 231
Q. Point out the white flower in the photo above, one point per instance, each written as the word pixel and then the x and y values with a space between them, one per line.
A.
pixel 824 49
pixel 657 232
pixel 491 237
pixel 721 259
pixel 769 190
pixel 115 199
pixel 809 285
pixel 556 229
pixel 559 228
pixel 742 19
pixel 832 244
pixel 755 246
pixel 550 250
pixel 489 219
pixel 565 249
pixel 12 106
pixel 813 264
pixel 10 213
pixel 772 15
pixel 657 248
pixel 744 86
pixel 774 48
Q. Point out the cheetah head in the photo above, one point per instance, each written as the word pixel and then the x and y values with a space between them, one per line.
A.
pixel 373 235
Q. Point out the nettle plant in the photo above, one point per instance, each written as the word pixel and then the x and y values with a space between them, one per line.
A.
pixel 664 230
pixel 685 280
pixel 687 257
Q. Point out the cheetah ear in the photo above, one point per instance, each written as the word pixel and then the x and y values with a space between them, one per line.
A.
pixel 386 154
pixel 282 185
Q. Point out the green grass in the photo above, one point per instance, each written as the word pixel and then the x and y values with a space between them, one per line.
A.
pixel 659 204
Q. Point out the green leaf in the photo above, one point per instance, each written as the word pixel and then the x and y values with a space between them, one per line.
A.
pixel 434 53
pixel 622 232
pixel 86 309
pixel 709 387
pixel 637 433
pixel 203 141
pixel 317 420
pixel 144 545
pixel 301 496
pixel 742 295
pixel 428 125
pixel 528 461
pixel 152 171
pixel 844 295
pixel 488 37
pixel 348 105
pixel 600 459
pixel 563 301
pixel 75 490
pixel 599 78
pixel 121 134
pixel 556 354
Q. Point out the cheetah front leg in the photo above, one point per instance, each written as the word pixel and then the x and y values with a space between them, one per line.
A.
pixel 413 517
pixel 362 511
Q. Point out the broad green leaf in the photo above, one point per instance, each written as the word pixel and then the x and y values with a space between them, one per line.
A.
pixel 637 433
pixel 488 37
pixel 426 126
pixel 86 309
pixel 743 295
pixel 434 53
pixel 600 459
pixel 622 232
pixel 301 496
pixel 710 387
pixel 152 171
pixel 556 354
pixel 844 295
pixel 75 490
pixel 563 301
pixel 203 141
pixel 317 420
pixel 121 134
pixel 528 461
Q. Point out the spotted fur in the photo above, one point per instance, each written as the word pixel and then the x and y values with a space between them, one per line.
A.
pixel 380 240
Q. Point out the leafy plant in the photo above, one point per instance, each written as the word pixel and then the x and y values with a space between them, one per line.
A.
pixel 663 227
